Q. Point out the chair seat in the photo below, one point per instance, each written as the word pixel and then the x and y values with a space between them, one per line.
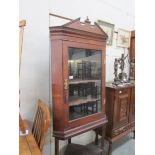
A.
pixel 76 149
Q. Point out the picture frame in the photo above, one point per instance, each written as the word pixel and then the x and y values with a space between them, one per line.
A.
pixel 108 28
pixel 123 38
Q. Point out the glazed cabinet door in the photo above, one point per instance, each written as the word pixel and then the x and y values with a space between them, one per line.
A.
pixel 83 82
pixel 132 105
pixel 121 107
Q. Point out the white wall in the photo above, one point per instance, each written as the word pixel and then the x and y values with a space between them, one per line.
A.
pixel 118 12
pixel 34 79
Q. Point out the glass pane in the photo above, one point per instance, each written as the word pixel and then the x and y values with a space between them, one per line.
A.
pixel 84 82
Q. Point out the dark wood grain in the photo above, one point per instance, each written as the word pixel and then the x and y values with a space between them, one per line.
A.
pixel 132 105
pixel 132 45
pixel 75 35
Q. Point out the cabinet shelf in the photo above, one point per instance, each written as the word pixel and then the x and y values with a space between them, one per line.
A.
pixel 81 100
pixel 83 81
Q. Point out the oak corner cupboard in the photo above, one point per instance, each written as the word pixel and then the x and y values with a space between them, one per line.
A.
pixel 78 78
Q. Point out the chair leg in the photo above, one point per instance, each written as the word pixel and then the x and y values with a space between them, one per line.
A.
pixel 110 148
pixel 69 141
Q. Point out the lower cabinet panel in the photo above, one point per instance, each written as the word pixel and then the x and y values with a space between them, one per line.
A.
pixel 120 110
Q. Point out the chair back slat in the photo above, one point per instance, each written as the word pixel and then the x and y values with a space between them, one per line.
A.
pixel 41 124
pixel 34 129
pixel 36 126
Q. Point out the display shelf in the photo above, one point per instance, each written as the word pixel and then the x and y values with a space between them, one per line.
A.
pixel 83 81
pixel 81 100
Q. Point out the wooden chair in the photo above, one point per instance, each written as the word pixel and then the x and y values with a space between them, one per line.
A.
pixel 41 124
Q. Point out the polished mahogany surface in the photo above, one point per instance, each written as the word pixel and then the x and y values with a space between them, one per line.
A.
pixel 78 78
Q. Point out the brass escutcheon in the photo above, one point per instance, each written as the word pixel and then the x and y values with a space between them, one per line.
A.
pixel 65 84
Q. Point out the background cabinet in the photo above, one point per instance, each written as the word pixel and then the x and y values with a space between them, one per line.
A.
pixel 120 110
pixel 121 107
pixel 132 56
pixel 132 105
pixel 132 45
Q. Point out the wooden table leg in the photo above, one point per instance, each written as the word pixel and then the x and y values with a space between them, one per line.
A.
pixel 56 146
pixel 96 137
pixel 69 141
pixel 102 137
pixel 110 148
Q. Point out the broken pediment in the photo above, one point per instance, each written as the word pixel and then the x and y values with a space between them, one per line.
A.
pixel 85 26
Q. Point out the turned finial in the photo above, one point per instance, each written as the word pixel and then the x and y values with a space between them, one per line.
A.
pixel 87 20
